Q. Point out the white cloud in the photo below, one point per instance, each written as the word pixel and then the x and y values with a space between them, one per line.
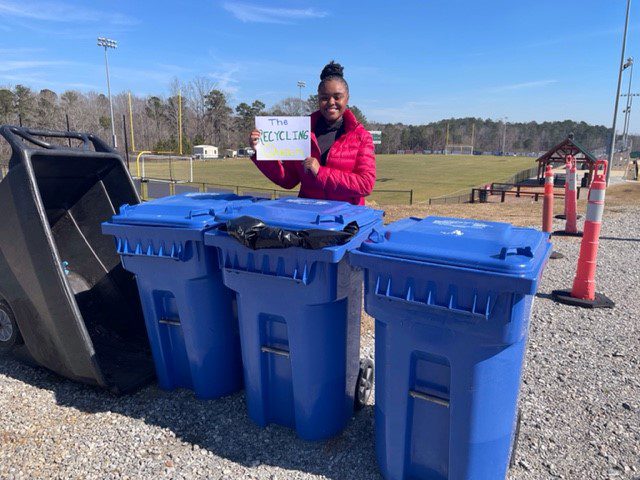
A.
pixel 61 12
pixel 225 78
pixel 246 12
pixel 524 85
pixel 37 80
pixel 13 65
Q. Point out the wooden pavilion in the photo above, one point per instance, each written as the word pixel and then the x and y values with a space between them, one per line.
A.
pixel 556 156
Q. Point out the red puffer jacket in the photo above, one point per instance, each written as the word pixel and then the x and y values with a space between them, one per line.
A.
pixel 349 174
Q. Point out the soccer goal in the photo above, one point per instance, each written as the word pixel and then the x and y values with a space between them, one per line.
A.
pixel 458 150
pixel 164 166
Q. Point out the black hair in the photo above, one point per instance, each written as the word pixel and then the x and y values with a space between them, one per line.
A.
pixel 332 71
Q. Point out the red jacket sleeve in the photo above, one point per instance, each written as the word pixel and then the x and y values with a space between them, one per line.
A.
pixel 282 174
pixel 361 180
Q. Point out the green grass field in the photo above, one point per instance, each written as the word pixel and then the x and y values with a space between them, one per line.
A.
pixel 428 175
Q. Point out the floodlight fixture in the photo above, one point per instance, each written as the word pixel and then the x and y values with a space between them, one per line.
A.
pixel 107 42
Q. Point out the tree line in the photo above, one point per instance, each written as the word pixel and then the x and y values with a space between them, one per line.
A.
pixel 208 117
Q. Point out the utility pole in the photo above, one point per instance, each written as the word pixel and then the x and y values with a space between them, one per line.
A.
pixel 612 145
pixel 627 110
pixel 180 122
pixel 108 43
pixel 473 136
pixel 133 143
pixel 504 133
pixel 301 85
pixel 446 140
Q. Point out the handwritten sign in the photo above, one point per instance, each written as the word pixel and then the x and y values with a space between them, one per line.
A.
pixel 283 138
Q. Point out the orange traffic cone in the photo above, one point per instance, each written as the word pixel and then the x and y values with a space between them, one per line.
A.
pixel 547 207
pixel 583 293
pixel 547 203
pixel 570 201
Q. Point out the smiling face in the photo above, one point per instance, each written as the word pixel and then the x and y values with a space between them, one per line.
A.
pixel 333 97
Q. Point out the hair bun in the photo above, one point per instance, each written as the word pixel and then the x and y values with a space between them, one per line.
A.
pixel 332 69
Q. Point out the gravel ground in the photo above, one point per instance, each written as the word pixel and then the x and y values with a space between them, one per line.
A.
pixel 580 402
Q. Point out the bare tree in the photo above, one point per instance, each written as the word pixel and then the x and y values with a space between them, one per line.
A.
pixel 196 95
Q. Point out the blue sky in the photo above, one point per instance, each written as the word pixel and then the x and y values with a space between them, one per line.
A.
pixel 410 61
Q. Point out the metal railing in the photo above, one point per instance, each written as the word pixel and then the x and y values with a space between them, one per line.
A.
pixel 482 194
pixel 150 188
pixel 466 195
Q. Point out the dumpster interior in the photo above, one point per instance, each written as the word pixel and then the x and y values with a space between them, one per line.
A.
pixel 76 194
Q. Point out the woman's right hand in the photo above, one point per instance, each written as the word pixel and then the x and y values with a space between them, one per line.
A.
pixel 254 136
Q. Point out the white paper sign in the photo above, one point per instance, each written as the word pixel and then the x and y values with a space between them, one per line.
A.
pixel 283 138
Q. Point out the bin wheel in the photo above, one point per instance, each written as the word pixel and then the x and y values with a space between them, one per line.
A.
pixel 516 436
pixel 9 332
pixel 364 385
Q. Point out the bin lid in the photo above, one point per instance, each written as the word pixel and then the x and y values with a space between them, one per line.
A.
pixel 474 244
pixel 189 210
pixel 304 213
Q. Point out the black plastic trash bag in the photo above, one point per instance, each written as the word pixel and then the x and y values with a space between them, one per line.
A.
pixel 255 234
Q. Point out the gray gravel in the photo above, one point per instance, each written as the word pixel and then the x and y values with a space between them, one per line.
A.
pixel 580 402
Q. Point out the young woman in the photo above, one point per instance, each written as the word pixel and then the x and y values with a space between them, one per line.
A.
pixel 342 165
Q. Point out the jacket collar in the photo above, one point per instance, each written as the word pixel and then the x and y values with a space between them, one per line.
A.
pixel 349 120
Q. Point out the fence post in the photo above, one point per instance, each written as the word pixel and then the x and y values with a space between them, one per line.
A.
pixel 518 191
pixel 504 193
pixel 172 188
pixel 472 197
pixel 411 197
pixel 144 189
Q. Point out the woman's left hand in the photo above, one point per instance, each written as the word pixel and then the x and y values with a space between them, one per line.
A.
pixel 312 165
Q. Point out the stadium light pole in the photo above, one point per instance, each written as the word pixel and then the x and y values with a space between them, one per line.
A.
pixel 108 43
pixel 612 145
pixel 627 110
pixel 301 85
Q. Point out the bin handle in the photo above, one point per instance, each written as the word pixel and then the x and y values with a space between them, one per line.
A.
pixel 477 312
pixel 522 251
pixel 15 136
pixel 298 277
pixel 124 248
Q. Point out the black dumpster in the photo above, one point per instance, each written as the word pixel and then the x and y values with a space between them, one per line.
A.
pixel 66 303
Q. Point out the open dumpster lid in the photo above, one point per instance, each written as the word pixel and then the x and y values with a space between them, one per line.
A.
pixel 190 210
pixel 473 244
pixel 304 213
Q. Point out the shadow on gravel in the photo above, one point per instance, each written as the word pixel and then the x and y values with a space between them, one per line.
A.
pixel 620 239
pixel 220 426
pixel 548 296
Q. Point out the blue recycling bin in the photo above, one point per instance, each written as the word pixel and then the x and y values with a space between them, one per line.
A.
pixel 451 300
pixel 299 313
pixel 189 313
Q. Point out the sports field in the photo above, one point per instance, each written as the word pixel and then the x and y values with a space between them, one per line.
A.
pixel 427 175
